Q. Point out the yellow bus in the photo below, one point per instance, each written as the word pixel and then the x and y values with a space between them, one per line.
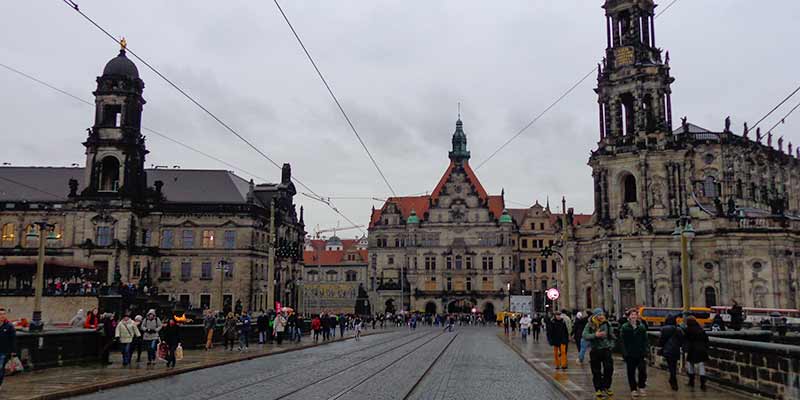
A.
pixel 655 316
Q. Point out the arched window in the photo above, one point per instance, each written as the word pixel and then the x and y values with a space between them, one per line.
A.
pixel 312 276
pixel 109 174
pixel 351 276
pixel 32 235
pixel 629 188
pixel 332 276
pixel 8 235
pixel 710 187
pixel 711 296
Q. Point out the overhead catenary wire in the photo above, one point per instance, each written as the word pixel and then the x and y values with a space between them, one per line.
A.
pixel 73 5
pixel 783 120
pixel 777 107
pixel 553 104
pixel 335 99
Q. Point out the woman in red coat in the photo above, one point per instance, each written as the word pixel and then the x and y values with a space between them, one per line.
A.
pixel 316 326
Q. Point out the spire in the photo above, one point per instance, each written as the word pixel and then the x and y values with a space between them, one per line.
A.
pixel 547 207
pixel 459 152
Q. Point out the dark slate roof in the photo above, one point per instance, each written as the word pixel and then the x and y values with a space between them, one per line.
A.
pixel 180 185
pixel 121 65
pixel 692 129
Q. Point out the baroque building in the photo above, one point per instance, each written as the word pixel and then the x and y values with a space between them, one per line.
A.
pixel 450 251
pixel 740 192
pixel 200 237
pixel 335 274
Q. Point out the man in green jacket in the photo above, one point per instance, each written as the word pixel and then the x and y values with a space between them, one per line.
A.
pixel 601 338
pixel 634 351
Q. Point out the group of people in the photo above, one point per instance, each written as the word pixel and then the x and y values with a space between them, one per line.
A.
pixel 270 326
pixel 593 334
pixel 324 326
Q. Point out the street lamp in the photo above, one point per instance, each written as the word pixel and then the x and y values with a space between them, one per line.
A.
pixel 223 268
pixel 36 321
pixel 684 229
pixel 508 291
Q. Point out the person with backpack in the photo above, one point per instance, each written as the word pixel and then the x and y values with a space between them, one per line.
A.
pixel 150 327
pixel 634 351
pixel 671 342
pixel 696 348
pixel 600 335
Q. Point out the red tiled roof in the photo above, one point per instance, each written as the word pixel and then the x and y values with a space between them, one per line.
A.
pixel 320 256
pixel 471 177
pixel 577 219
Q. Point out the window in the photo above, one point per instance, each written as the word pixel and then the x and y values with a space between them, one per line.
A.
pixel 312 276
pixel 208 239
pixel 186 271
pixel 146 237
pixel 433 279
pixel 136 270
pixel 487 262
pixel 541 226
pixel 524 243
pixel 205 301
pixel 544 266
pixel 430 263
pixel 396 242
pixel 757 266
pixel 390 260
pixel 230 239
pixel 459 262
pixel 469 284
pixel 708 266
pixel 166 270
pixel 109 174
pixel 332 276
pixel 711 296
pixel 449 284
pixel 188 239
pixel 521 265
pixel 553 266
pixel 448 262
pixel 469 262
pixel 205 270
pixel 184 300
pixel 103 236
pixel 629 189
pixel 229 269
pixel 31 235
pixel 351 276
pixel 8 235
pixel 166 238
pixel 112 115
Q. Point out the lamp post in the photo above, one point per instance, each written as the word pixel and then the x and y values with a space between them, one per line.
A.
pixel 36 320
pixel 684 229
pixel 508 291
pixel 223 268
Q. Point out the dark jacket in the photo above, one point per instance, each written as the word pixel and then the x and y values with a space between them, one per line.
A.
pixel 170 335
pixel 557 332
pixel 671 339
pixel 262 323
pixel 696 344
pixel 577 329
pixel 634 340
pixel 8 338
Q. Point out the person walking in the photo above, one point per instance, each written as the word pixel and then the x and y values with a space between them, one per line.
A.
pixel 92 320
pixel 670 342
pixel 138 341
pixel 342 325
pixel 171 337
pixel 357 326
pixel 209 322
pixel 581 320
pixel 536 327
pixel 8 342
pixel 634 351
pixel 280 327
pixel 696 348
pixel 106 329
pixel 601 340
pixel 293 322
pixel 506 324
pixel 737 316
pixel 524 327
pixel 244 331
pixel 316 326
pixel 229 331
pixel 261 326
pixel 126 331
pixel 150 328
pixel 558 337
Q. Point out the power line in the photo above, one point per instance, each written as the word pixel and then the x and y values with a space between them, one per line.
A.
pixel 553 104
pixel 783 120
pixel 776 107
pixel 335 99
pixel 75 7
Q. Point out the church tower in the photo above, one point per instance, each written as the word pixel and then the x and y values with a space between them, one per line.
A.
pixel 633 82
pixel 115 149
pixel 459 152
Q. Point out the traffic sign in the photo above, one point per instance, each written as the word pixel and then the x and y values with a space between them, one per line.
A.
pixel 552 294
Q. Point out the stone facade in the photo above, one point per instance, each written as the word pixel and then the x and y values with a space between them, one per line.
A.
pixel 740 193
pixel 165 228
pixel 449 251
pixel 335 272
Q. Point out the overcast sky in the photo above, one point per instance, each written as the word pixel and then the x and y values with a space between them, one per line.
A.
pixel 399 68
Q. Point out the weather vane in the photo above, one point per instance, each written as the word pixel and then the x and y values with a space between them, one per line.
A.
pixel 123 44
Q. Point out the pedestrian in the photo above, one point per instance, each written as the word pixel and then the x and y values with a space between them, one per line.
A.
pixel 244 331
pixel 150 328
pixel 342 325
pixel 670 342
pixel 718 324
pixel 506 324
pixel 558 337
pixel 601 340
pixel 578 326
pixel 280 327
pixel 634 351
pixel 8 342
pixel 138 341
pixel 208 327
pixel 565 315
pixel 536 327
pixel 261 326
pixel 293 323
pixel 358 326
pixel 92 320
pixel 77 320
pixel 229 331
pixel 171 337
pixel 696 348
pixel 736 316
pixel 107 326
pixel 270 326
pixel 524 326
pixel 316 326
pixel 126 331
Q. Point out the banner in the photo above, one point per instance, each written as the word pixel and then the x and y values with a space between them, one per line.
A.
pixel 521 304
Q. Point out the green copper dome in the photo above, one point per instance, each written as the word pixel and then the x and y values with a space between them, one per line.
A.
pixel 505 218
pixel 413 219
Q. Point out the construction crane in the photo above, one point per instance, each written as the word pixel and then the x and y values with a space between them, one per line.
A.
pixel 318 231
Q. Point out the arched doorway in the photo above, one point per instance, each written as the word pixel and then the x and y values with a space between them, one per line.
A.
pixel 389 306
pixel 488 311
pixel 711 296
pixel 459 307
pixel 430 308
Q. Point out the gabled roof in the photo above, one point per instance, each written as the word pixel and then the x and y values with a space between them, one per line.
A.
pixel 320 256
pixel 692 129
pixel 50 184
pixel 471 177
pixel 519 215
pixel 419 204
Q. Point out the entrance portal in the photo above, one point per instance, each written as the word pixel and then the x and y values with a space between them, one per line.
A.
pixel 430 308
pixel 488 312
pixel 389 306
pixel 627 294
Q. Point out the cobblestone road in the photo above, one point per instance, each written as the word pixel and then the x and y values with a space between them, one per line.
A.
pixel 470 363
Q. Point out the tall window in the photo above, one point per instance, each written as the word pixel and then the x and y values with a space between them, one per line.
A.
pixel 166 270
pixel 469 284
pixel 521 265
pixel 146 237
pixel 711 296
pixel 553 266
pixel 430 263
pixel 31 235
pixel 449 284
pixel 524 243
pixel 312 276
pixel 230 239
pixel 448 262
pixel 205 301
pixel 103 236
pixel 136 269
pixel 166 238
pixel 332 276
pixel 459 262
pixel 229 270
pixel 188 239
pixel 710 187
pixel 186 270
pixel 629 186
pixel 205 270
pixel 469 262
pixel 109 174
pixel 544 266
pixel 208 239
pixel 351 276
pixel 8 235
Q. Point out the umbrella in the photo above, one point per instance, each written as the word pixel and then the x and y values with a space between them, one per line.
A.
pixel 287 309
